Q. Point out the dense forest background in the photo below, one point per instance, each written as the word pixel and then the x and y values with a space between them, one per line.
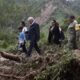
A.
pixel 14 11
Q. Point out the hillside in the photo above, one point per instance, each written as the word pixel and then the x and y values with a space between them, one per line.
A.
pixel 42 10
pixel 19 10
pixel 55 63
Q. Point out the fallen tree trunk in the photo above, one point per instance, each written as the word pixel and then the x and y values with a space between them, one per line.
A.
pixel 10 56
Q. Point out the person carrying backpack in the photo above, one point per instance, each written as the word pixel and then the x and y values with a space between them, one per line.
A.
pixel 56 34
pixel 72 33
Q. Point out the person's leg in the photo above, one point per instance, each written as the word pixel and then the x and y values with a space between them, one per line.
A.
pixel 50 37
pixel 57 42
pixel 30 48
pixel 60 43
pixel 37 48
pixel 74 43
pixel 24 48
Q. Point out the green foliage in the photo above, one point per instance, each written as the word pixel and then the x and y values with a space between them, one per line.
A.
pixel 7 38
pixel 43 39
pixel 53 72
pixel 78 20
pixel 12 49
pixel 13 11
pixel 3 44
pixel 64 25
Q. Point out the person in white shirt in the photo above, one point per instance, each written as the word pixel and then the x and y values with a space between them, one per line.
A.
pixel 22 41
pixel 72 33
pixel 23 24
pixel 25 29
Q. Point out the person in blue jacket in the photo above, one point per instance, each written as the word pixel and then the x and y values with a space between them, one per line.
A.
pixel 22 40
pixel 34 35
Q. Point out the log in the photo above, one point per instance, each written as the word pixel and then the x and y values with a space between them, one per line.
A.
pixel 10 56
pixel 12 76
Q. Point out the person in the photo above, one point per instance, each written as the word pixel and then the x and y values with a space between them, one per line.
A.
pixel 55 33
pixel 22 40
pixel 23 24
pixel 34 35
pixel 50 36
pixel 72 33
pixel 25 29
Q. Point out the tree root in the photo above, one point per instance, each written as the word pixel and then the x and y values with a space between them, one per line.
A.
pixel 10 56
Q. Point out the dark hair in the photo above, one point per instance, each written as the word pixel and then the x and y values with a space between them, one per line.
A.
pixel 72 17
pixel 23 23
pixel 56 23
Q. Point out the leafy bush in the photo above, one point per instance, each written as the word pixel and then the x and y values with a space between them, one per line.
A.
pixel 3 44
pixel 12 49
pixel 78 20
pixel 7 38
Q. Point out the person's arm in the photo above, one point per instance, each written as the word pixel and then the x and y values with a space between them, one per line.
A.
pixel 50 28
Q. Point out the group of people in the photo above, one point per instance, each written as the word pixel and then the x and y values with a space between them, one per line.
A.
pixel 56 35
pixel 31 33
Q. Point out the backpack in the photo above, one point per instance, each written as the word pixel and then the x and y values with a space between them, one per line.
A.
pixel 77 27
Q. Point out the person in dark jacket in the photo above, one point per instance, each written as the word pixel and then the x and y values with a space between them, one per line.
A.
pixel 50 36
pixel 54 33
pixel 34 35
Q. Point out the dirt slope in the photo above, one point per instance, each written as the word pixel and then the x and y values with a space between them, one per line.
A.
pixel 46 13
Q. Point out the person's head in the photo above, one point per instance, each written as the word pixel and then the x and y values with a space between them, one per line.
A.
pixel 55 23
pixel 20 28
pixel 30 20
pixel 72 18
pixel 23 23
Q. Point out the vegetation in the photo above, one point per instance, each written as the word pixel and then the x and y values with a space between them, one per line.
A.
pixel 54 62
pixel 14 11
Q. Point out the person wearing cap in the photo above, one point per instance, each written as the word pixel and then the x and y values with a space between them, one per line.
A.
pixel 22 40
pixel 72 33
pixel 34 35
